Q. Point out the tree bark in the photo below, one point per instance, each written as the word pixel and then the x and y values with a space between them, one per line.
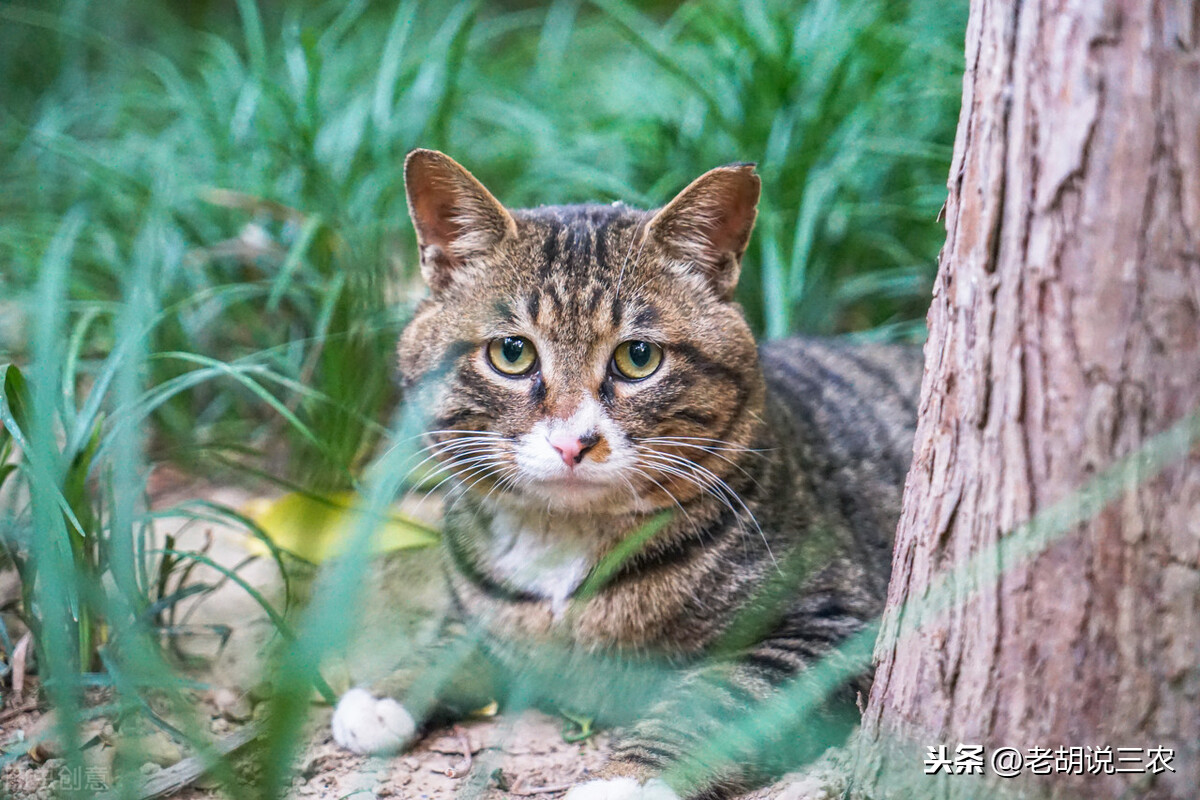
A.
pixel 1064 335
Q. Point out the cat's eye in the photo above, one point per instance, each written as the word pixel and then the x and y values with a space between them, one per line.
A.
pixel 512 355
pixel 636 359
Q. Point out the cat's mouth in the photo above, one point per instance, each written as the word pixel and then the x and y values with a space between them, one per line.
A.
pixel 571 480
pixel 571 492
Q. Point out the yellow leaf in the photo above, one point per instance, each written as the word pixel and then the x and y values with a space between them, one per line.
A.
pixel 490 710
pixel 315 528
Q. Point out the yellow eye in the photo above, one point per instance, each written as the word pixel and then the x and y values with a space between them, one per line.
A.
pixel 637 359
pixel 512 355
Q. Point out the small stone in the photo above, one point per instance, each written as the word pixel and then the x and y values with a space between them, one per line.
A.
pixel 233 706
pixel 150 768
pixel 41 732
pixel 260 692
pixel 316 765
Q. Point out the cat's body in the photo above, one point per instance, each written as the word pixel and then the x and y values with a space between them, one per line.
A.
pixel 751 498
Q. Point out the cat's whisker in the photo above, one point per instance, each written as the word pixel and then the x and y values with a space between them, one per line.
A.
pixel 702 472
pixel 512 478
pixel 633 495
pixel 450 467
pixel 407 439
pixel 717 444
pixel 437 452
pixel 489 464
pixel 685 463
pixel 437 431
pixel 727 489
pixel 502 472
pixel 716 447
pixel 708 490
pixel 507 481
pixel 461 490
pixel 706 449
pixel 452 444
pixel 502 479
pixel 689 478
pixel 462 441
pixel 693 479
pixel 485 471
pixel 472 463
pixel 646 474
pixel 415 467
pixel 457 443
pixel 466 450
pixel 691 520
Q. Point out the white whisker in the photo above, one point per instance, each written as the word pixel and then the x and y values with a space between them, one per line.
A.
pixel 707 449
pixel 689 470
pixel 435 450
pixel 435 433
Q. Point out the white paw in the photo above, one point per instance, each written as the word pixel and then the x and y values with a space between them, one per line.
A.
pixel 367 725
pixel 621 789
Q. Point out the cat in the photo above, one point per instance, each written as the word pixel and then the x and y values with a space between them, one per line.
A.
pixel 596 390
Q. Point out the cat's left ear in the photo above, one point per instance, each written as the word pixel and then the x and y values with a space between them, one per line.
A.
pixel 708 224
pixel 456 217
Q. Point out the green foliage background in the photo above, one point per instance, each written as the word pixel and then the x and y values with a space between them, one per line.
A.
pixel 252 156
pixel 205 255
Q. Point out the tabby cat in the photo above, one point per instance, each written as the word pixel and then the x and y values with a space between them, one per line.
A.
pixel 596 390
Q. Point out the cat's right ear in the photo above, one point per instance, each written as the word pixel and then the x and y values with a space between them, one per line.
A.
pixel 455 216
pixel 707 226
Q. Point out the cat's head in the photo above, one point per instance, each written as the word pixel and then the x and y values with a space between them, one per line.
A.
pixel 584 358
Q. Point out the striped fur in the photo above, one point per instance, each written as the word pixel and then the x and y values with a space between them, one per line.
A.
pixel 787 460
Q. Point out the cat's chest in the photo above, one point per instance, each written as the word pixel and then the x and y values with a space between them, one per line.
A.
pixel 543 555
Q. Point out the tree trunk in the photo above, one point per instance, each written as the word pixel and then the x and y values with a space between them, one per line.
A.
pixel 1064 337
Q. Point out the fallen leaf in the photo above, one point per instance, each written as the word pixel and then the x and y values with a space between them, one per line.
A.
pixel 314 528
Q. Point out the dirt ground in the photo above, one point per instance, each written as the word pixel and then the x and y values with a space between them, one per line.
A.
pixel 487 758
pixel 522 757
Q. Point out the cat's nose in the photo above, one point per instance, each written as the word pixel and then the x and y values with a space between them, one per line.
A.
pixel 573 448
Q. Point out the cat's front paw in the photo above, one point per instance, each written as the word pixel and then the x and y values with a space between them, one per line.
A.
pixel 370 725
pixel 621 789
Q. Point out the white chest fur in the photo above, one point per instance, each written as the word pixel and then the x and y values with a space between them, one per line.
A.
pixel 543 554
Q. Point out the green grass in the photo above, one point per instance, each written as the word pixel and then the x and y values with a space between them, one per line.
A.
pixel 266 151
pixel 205 256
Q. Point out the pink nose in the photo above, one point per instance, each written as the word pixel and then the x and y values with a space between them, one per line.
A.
pixel 572 448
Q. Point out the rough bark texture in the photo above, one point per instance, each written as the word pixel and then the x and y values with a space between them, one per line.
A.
pixel 1064 333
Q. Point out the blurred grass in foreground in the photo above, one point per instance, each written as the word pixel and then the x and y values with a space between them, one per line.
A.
pixel 206 256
